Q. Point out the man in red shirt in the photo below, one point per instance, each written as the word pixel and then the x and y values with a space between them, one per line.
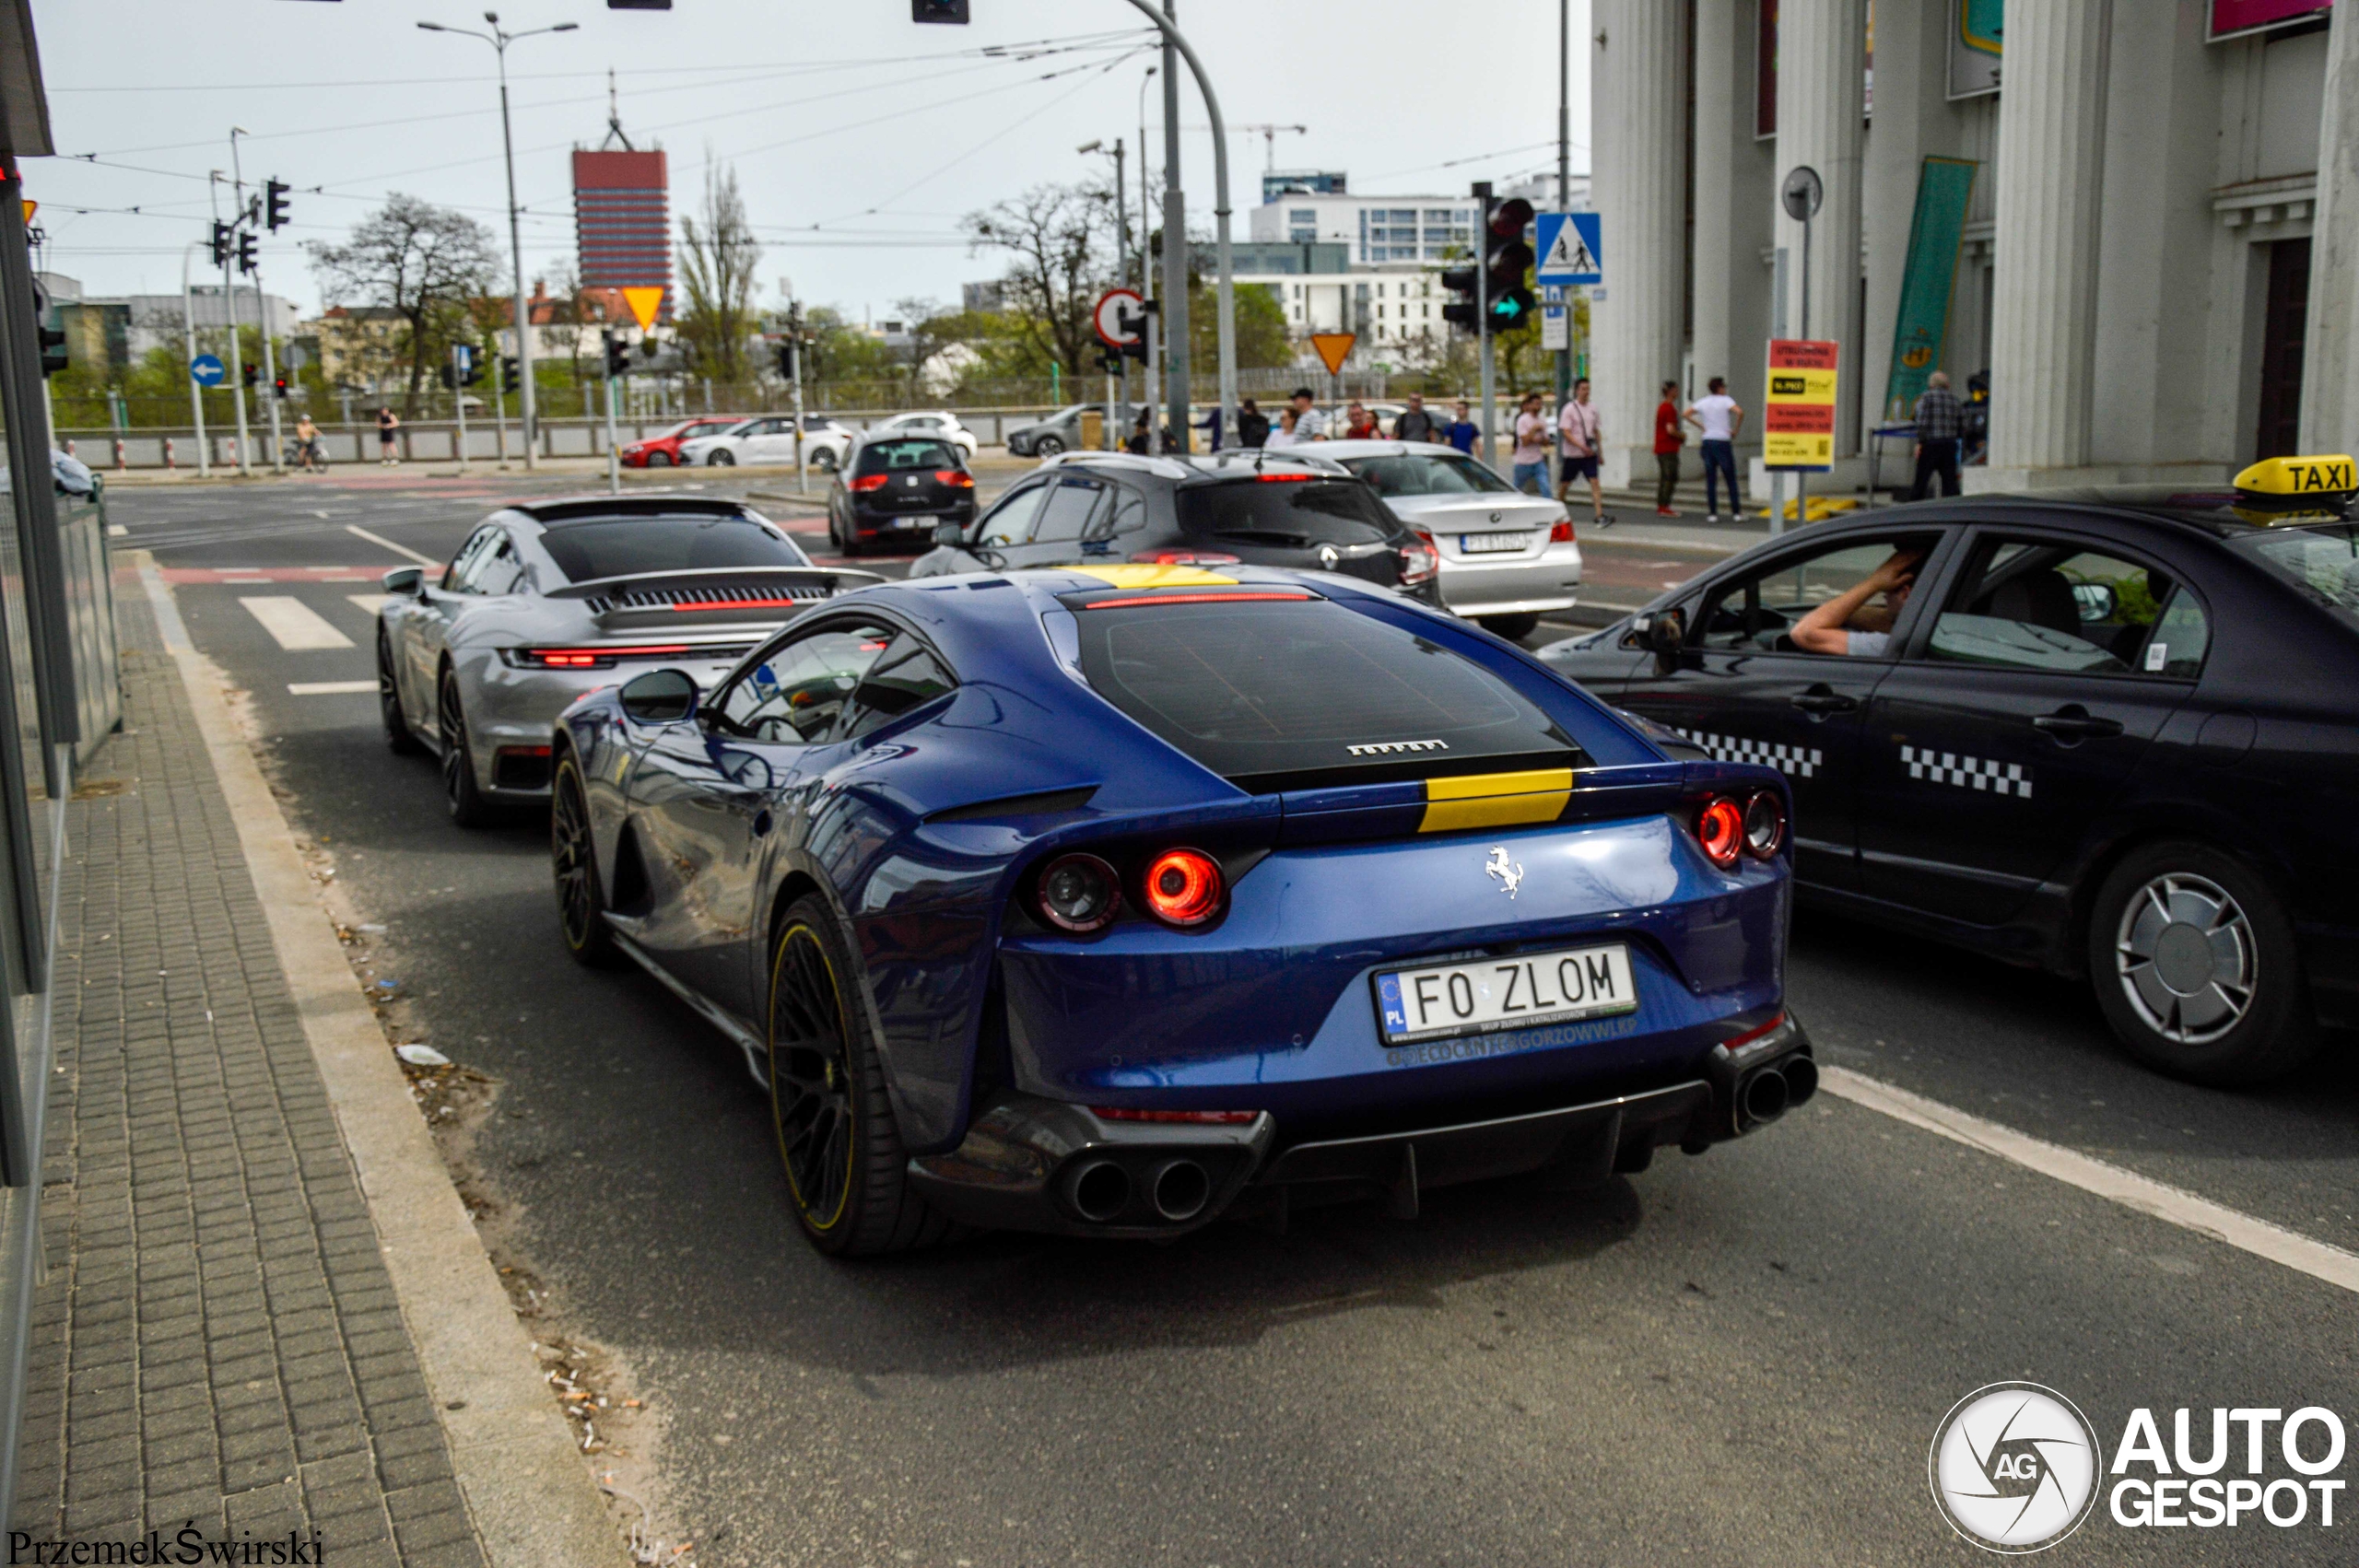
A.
pixel 1668 437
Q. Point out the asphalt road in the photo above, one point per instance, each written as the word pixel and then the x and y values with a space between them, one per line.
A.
pixel 1739 1358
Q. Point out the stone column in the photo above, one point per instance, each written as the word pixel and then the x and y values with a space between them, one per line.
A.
pixel 1638 173
pixel 2330 352
pixel 2044 297
pixel 1821 86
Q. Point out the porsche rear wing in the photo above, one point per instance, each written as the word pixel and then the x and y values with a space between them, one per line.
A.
pixel 715 594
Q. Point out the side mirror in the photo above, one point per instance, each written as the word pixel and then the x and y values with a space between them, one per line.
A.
pixel 950 534
pixel 660 696
pixel 407 582
pixel 1663 633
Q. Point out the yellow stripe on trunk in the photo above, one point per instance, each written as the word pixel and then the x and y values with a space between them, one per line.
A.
pixel 1495 800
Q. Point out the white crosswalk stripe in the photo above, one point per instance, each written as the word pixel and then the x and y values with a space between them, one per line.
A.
pixel 370 603
pixel 329 688
pixel 296 625
pixel 1967 772
pixel 1795 762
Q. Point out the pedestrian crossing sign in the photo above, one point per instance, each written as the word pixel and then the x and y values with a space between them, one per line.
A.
pixel 1570 248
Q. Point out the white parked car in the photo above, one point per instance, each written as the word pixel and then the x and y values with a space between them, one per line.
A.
pixel 1506 557
pixel 938 423
pixel 769 438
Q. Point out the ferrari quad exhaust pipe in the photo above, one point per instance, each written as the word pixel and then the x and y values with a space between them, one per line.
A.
pixel 1802 1081
pixel 1181 1190
pixel 1763 1097
pixel 1099 1191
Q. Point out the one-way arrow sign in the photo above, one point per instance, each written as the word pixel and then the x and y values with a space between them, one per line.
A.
pixel 1569 250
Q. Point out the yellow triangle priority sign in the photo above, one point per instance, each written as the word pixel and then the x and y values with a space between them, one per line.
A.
pixel 644 302
pixel 1333 348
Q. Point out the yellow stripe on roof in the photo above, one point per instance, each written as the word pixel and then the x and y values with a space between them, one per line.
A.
pixel 1148 576
pixel 1495 800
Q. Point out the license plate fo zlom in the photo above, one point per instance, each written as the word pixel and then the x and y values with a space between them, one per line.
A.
pixel 1519 992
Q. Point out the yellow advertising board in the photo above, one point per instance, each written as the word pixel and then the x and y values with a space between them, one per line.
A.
pixel 1798 425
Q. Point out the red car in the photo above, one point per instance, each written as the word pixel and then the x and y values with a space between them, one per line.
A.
pixel 664 451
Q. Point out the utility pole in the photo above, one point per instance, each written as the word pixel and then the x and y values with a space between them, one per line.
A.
pixel 1565 180
pixel 196 391
pixel 613 459
pixel 237 353
pixel 527 406
pixel 795 368
pixel 262 305
pixel 1483 310
pixel 1175 243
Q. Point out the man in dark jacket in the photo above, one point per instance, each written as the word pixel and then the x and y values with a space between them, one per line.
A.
pixel 1417 424
pixel 1252 425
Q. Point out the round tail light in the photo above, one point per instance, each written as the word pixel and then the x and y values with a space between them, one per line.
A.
pixel 1720 828
pixel 1183 887
pixel 1765 826
pixel 1079 893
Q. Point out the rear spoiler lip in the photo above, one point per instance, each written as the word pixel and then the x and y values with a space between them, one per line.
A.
pixel 836 578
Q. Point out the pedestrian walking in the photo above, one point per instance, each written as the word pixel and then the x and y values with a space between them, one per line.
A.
pixel 1309 425
pixel 1533 434
pixel 1252 425
pixel 1583 434
pixel 1284 435
pixel 1210 425
pixel 1416 424
pixel 1668 437
pixel 1716 416
pixel 388 443
pixel 1940 422
pixel 1463 432
pixel 1359 424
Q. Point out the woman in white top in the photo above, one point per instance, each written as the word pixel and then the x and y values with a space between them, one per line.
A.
pixel 1284 435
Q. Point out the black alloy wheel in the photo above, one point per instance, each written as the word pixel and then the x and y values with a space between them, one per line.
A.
pixel 845 1172
pixel 573 853
pixel 468 808
pixel 398 735
pixel 658 460
pixel 2197 969
pixel 722 458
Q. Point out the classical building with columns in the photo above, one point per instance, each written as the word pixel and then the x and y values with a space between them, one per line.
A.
pixel 2140 216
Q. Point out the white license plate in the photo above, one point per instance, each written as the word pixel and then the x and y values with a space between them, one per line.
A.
pixel 1489 544
pixel 1523 991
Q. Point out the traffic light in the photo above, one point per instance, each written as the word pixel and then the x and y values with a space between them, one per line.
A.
pixel 617 356
pixel 450 378
pixel 52 351
pixel 246 259
pixel 279 387
pixel 1465 310
pixel 510 380
pixel 473 370
pixel 939 11
pixel 1507 258
pixel 251 374
pixel 220 243
pixel 275 205
pixel 786 361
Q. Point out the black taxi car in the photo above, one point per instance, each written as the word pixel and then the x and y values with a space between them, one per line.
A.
pixel 2111 733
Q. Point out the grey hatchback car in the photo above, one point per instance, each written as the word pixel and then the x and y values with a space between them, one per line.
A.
pixel 1258 509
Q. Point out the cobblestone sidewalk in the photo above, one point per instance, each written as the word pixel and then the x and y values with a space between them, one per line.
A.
pixel 219 1338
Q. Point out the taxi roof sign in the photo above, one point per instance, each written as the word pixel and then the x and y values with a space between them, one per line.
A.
pixel 2297 483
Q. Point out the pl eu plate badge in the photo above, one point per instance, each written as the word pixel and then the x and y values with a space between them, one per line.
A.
pixel 1388 999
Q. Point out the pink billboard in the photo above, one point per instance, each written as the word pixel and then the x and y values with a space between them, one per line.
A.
pixel 2244 16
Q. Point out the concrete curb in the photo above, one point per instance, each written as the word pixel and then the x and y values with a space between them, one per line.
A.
pixel 530 1494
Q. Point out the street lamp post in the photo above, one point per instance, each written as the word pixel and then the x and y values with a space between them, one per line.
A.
pixel 237 351
pixel 527 401
pixel 196 392
pixel 262 312
pixel 1122 273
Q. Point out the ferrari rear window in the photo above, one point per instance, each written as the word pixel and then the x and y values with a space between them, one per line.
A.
pixel 1304 694
pixel 603 547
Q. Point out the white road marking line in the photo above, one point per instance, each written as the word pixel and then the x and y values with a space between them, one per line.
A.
pixel 370 603
pixel 296 625
pixel 378 539
pixel 2172 1205
pixel 117 530
pixel 329 688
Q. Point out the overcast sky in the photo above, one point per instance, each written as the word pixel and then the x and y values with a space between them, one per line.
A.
pixel 826 111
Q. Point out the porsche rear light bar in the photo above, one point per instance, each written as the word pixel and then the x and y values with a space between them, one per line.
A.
pixel 1168 598
pixel 739 604
pixel 1287 478
pixel 602 658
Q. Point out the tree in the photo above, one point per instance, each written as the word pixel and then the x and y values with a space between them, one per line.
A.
pixel 1262 342
pixel 423 261
pixel 717 259
pixel 1059 240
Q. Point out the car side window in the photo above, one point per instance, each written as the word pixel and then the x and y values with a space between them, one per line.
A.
pixel 1128 516
pixel 907 675
pixel 2182 636
pixel 459 577
pixel 796 695
pixel 2030 604
pixel 1010 523
pixel 1070 507
pixel 1756 613
pixel 502 571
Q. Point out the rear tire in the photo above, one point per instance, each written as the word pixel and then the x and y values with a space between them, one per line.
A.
pixel 398 735
pixel 573 854
pixel 824 460
pixel 847 1174
pixel 1048 446
pixel 658 460
pixel 2197 969
pixel 721 460
pixel 468 808
pixel 1515 628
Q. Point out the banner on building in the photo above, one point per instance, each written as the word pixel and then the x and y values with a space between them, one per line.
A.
pixel 1936 235
pixel 1798 423
pixel 2230 18
pixel 1976 27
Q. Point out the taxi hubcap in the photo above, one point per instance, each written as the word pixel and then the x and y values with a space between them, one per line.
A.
pixel 2186 959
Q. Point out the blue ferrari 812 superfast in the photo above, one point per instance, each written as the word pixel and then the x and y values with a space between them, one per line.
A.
pixel 1112 900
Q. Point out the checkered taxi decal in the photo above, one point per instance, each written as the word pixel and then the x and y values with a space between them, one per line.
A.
pixel 1795 762
pixel 1968 772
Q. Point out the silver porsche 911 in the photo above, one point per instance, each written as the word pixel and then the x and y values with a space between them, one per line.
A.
pixel 547 600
